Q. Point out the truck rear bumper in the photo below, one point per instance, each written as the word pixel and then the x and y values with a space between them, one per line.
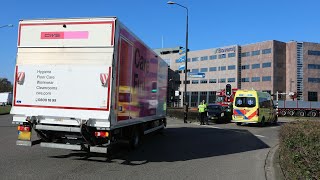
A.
pixel 74 147
pixel 61 146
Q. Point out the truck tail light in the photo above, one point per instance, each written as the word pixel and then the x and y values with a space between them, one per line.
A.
pixel 24 128
pixel 102 134
pixel 104 78
pixel 20 78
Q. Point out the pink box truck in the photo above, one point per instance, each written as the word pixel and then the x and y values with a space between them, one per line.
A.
pixel 85 84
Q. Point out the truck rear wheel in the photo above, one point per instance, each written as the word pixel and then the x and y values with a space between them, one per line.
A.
pixel 291 112
pixel 283 113
pixel 302 113
pixel 313 113
pixel 135 140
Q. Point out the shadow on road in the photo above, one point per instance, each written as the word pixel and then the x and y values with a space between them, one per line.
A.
pixel 182 144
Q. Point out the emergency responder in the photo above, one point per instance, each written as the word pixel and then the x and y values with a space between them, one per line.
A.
pixel 205 116
pixel 201 109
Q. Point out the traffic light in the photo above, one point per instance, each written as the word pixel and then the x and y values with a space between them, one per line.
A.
pixel 228 90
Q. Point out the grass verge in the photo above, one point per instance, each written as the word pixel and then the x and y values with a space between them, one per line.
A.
pixel 300 149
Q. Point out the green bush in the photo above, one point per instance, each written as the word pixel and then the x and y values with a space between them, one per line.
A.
pixel 300 150
pixel 5 109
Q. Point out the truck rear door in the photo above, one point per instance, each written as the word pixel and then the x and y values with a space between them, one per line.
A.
pixel 64 67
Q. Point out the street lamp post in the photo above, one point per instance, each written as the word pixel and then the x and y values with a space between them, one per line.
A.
pixel 185 103
pixel 7 25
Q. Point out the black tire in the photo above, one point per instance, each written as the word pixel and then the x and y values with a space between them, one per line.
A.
pixel 283 112
pixel 275 120
pixel 263 122
pixel 135 139
pixel 291 112
pixel 302 113
pixel 238 123
pixel 313 113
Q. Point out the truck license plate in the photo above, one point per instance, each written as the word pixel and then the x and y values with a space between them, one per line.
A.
pixel 23 135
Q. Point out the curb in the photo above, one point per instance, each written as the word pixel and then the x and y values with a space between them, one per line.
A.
pixel 272 166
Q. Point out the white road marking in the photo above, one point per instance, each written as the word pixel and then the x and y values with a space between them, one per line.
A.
pixel 259 135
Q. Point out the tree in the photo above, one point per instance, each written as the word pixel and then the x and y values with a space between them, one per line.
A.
pixel 5 85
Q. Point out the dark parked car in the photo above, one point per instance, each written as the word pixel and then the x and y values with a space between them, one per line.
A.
pixel 216 113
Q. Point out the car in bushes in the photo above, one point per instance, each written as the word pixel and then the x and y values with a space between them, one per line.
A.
pixel 217 113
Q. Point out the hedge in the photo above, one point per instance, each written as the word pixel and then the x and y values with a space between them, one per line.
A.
pixel 300 150
pixel 5 109
pixel 179 113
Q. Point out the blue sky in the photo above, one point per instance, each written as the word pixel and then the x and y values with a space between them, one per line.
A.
pixel 212 23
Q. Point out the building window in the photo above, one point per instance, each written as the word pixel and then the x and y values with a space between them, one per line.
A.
pixel 266 51
pixel 266 78
pixel 313 66
pixel 223 68
pixel 245 67
pixel 255 53
pixel 188 82
pixel 204 81
pixel 194 70
pixel 255 66
pixel 223 80
pixel 195 59
pixel 314 53
pixel 204 58
pixel 255 79
pixel 231 79
pixel 314 80
pixel 245 80
pixel 312 96
pixel 212 80
pixel 204 70
pixel 195 82
pixel 266 65
pixel 222 56
pixel 232 55
pixel 231 67
pixel 245 54
pixel 213 69
pixel 213 57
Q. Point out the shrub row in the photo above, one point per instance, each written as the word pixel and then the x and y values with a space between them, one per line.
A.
pixel 300 150
pixel 179 113
pixel 5 109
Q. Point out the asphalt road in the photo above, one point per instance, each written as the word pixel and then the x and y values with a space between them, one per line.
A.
pixel 183 151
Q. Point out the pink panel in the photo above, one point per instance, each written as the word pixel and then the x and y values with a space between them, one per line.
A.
pixel 76 35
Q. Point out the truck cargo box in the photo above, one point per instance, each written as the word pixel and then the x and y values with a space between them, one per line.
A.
pixel 91 72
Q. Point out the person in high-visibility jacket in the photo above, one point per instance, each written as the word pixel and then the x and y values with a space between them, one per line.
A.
pixel 205 118
pixel 201 109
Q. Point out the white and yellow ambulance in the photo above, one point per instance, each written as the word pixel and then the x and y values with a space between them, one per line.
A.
pixel 251 106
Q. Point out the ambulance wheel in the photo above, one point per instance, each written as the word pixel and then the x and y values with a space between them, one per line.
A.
pixel 275 120
pixel 238 123
pixel 263 122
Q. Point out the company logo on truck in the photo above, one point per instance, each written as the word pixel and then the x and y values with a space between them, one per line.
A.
pixel 142 65
pixel 65 35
